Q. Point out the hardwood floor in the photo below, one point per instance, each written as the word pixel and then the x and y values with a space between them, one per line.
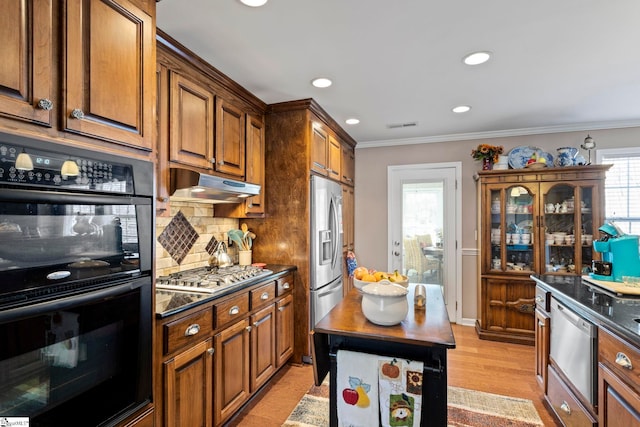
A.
pixel 489 366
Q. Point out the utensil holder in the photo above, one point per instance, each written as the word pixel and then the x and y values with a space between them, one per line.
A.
pixel 244 257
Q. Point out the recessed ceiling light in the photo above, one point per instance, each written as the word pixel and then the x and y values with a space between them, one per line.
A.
pixel 461 109
pixel 477 58
pixel 321 82
pixel 352 121
pixel 254 3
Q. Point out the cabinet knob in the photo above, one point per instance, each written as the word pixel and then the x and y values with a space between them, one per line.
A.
pixel 249 205
pixel 45 104
pixel 211 350
pixel 234 310
pixel 264 296
pixel 565 407
pixel 248 328
pixel 624 361
pixel 286 285
pixel 163 199
pixel 77 114
pixel 192 330
pixel 396 253
pixel 280 308
pixel 539 299
pixel 541 324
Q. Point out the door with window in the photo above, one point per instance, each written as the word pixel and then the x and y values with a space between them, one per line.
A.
pixel 424 226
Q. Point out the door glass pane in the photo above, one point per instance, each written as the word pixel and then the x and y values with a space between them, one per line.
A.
pixel 519 237
pixel 497 236
pixel 422 231
pixel 560 229
pixel 585 232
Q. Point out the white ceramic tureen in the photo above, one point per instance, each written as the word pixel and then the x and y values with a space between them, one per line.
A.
pixel 385 303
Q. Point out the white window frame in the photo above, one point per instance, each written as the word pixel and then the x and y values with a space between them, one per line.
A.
pixel 613 152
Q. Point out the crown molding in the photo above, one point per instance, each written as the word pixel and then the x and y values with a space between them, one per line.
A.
pixel 501 133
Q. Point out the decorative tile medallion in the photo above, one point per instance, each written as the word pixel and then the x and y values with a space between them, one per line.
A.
pixel 211 246
pixel 178 237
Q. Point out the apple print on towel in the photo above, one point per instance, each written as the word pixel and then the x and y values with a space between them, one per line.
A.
pixel 357 394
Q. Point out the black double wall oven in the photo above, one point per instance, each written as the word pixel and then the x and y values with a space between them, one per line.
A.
pixel 76 251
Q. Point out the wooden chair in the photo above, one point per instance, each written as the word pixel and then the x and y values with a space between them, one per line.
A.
pixel 415 260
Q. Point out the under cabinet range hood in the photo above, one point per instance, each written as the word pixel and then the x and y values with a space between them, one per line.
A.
pixel 190 186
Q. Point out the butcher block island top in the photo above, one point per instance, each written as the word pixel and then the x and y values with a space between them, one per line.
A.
pixel 426 327
pixel 424 335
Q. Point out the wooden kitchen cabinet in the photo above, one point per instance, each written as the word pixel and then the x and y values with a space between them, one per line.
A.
pixel 521 210
pixel 103 85
pixel 542 335
pixel 348 236
pixel 618 382
pixel 348 165
pixel 296 131
pixel 188 391
pixel 26 75
pixel 222 353
pixel 192 112
pixel 110 72
pixel 326 153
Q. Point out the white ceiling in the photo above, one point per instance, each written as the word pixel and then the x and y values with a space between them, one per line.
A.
pixel 558 65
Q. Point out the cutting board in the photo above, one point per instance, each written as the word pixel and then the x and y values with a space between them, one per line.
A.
pixel 617 287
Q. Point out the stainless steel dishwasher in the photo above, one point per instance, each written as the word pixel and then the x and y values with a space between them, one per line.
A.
pixel 573 348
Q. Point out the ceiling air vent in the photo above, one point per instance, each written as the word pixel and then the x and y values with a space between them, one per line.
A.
pixel 402 125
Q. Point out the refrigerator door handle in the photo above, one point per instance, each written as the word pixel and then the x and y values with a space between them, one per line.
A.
pixel 335 230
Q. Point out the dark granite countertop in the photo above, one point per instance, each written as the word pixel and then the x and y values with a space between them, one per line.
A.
pixel 620 314
pixel 169 303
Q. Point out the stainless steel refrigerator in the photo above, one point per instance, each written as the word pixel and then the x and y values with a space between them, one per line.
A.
pixel 326 247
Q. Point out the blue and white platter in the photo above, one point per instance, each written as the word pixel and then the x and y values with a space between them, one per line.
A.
pixel 519 156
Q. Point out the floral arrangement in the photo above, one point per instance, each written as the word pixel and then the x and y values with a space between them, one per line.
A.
pixel 486 151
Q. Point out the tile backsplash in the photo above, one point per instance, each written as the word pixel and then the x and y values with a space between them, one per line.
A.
pixel 199 226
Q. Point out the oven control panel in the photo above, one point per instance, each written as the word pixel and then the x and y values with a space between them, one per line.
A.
pixel 22 165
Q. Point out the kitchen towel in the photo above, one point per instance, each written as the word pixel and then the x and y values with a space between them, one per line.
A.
pixel 400 390
pixel 357 389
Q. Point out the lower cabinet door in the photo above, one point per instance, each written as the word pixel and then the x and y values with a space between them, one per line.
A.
pixel 543 337
pixel 618 404
pixel 263 346
pixel 188 387
pixel 284 336
pixel 231 370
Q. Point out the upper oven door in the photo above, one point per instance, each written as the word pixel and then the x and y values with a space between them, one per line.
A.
pixel 49 238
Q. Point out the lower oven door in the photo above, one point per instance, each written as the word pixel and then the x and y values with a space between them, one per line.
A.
pixel 573 344
pixel 91 351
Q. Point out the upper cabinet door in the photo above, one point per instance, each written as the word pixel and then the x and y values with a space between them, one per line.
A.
pixel 255 162
pixel 230 143
pixel 110 71
pixel 334 157
pixel 191 122
pixel 26 66
pixel 319 143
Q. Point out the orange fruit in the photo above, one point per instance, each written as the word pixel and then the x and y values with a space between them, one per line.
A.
pixel 359 272
pixel 369 278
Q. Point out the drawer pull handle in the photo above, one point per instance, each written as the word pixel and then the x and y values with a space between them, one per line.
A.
pixel 539 299
pixel 192 330
pixel 565 407
pixel 286 285
pixel 264 296
pixel 234 310
pixel 624 361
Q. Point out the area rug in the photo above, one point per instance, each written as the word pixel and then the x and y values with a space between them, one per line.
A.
pixel 466 408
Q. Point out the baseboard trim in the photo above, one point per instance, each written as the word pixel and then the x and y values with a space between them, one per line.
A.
pixel 467 322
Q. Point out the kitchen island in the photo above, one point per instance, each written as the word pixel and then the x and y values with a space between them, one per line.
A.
pixel 424 335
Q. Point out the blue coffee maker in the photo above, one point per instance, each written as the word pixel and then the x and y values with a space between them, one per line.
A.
pixel 619 255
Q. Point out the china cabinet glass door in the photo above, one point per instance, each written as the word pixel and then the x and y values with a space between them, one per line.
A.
pixel 568 228
pixel 513 210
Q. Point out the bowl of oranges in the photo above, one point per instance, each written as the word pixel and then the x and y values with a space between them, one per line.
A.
pixel 363 276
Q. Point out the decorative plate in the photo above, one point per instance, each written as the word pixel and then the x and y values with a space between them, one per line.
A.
pixel 518 156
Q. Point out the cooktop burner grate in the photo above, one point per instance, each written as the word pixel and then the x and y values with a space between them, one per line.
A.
pixel 211 279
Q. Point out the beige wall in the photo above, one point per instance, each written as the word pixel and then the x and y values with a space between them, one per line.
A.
pixel 371 190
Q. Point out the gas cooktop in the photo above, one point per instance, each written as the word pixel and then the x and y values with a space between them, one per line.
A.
pixel 210 280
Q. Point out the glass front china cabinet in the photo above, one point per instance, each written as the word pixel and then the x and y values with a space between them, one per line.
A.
pixel 532 221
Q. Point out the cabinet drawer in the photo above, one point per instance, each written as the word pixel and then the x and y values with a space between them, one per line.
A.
pixel 263 294
pixel 231 309
pixel 284 285
pixel 187 330
pixel 543 299
pixel 564 403
pixel 620 356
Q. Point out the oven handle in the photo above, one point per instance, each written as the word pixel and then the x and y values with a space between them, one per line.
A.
pixel 19 195
pixel 62 303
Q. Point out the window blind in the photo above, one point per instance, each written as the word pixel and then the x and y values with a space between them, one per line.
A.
pixel 622 189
